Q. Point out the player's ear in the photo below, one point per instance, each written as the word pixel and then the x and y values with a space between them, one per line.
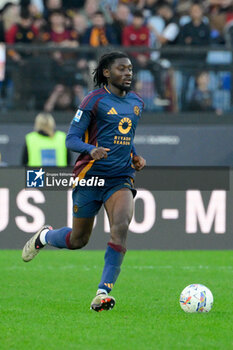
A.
pixel 106 73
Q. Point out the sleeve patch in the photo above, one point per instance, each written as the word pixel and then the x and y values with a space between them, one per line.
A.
pixel 77 116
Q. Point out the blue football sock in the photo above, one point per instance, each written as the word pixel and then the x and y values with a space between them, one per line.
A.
pixel 59 238
pixel 113 259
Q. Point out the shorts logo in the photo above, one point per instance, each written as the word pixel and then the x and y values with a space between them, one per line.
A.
pixel 125 125
pixel 78 115
pixel 75 208
pixel 136 110
pixel 35 178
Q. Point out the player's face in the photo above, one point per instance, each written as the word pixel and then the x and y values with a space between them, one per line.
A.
pixel 120 74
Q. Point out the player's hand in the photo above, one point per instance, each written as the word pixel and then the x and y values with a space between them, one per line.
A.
pixel 99 153
pixel 139 162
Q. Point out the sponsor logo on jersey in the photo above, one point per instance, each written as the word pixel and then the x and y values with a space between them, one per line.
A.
pixel 125 125
pixel 112 111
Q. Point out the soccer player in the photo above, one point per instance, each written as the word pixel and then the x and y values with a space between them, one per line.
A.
pixel 102 131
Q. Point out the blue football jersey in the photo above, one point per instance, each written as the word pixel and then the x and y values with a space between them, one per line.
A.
pixel 107 120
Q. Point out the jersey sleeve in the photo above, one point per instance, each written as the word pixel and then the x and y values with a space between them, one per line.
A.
pixel 89 101
pixel 76 131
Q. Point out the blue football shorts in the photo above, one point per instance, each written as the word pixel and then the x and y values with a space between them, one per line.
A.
pixel 87 201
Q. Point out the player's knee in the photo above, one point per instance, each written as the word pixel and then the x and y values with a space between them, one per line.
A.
pixel 119 233
pixel 120 228
pixel 77 243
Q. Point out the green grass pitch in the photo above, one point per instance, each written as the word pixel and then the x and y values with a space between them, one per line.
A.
pixel 45 304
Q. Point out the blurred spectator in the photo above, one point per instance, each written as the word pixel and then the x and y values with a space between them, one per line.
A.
pixel 151 7
pixel 164 31
pixel 10 15
pixel 100 33
pixel 90 8
pixel 164 26
pixel 35 7
pixel 65 64
pixel 51 6
pixel 108 7
pixel 36 10
pixel 183 7
pixel 79 26
pixel 61 99
pixel 24 31
pixel 57 31
pixel 121 18
pixel 195 32
pixel 202 97
pixel 137 34
pixel 145 87
pixel 220 13
pixel 45 146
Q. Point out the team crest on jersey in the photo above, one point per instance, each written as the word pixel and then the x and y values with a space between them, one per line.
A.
pixel 136 110
pixel 78 115
pixel 125 125
pixel 75 208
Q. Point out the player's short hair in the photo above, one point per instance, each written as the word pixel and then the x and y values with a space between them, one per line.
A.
pixel 106 61
pixel 45 122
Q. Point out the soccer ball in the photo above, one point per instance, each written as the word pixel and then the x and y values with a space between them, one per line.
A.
pixel 196 298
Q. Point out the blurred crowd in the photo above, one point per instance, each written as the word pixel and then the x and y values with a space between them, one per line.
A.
pixel 102 23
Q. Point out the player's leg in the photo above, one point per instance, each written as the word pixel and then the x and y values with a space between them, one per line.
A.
pixel 85 207
pixel 65 237
pixel 119 208
pixel 75 238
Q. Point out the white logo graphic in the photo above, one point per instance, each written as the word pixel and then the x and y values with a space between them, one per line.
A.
pixel 35 178
pixel 78 115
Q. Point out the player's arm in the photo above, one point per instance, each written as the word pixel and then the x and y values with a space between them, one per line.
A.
pixel 76 131
pixel 74 140
pixel 138 161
